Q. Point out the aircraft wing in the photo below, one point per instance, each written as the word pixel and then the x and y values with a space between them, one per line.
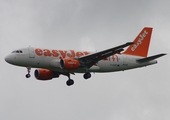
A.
pixel 91 59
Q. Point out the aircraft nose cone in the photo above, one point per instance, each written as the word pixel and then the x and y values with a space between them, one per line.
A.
pixel 7 59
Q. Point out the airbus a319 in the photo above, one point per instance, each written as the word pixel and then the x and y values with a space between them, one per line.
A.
pixel 51 63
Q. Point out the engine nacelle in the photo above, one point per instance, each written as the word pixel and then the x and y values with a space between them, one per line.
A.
pixel 69 64
pixel 43 74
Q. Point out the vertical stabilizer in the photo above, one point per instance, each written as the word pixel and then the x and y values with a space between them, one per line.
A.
pixel 141 43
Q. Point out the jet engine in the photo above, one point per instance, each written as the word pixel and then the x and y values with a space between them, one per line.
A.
pixel 69 64
pixel 43 74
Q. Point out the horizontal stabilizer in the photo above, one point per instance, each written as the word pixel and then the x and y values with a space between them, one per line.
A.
pixel 147 59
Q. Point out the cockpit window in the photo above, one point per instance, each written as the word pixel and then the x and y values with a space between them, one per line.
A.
pixel 17 51
pixel 13 51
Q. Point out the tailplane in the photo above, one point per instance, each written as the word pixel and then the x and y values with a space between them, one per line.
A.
pixel 147 59
pixel 141 43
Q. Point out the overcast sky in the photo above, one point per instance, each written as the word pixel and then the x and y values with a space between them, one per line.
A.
pixel 139 94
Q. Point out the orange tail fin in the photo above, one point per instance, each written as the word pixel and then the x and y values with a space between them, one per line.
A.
pixel 141 43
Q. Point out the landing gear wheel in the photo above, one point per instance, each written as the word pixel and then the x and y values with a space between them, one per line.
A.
pixel 70 82
pixel 28 70
pixel 27 75
pixel 87 75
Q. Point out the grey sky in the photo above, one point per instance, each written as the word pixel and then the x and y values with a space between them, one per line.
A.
pixel 142 94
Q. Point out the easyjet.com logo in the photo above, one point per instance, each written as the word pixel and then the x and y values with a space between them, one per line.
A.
pixel 139 41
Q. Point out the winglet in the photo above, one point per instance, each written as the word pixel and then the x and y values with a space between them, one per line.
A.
pixel 141 43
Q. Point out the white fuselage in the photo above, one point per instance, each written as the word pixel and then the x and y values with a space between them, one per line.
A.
pixel 50 59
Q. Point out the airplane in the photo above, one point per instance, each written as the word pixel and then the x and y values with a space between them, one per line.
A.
pixel 52 63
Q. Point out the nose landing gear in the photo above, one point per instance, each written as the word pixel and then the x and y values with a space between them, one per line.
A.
pixel 28 70
pixel 27 75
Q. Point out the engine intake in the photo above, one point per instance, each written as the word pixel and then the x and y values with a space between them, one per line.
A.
pixel 69 64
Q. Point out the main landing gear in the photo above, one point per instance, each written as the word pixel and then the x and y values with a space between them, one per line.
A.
pixel 70 82
pixel 87 75
pixel 28 70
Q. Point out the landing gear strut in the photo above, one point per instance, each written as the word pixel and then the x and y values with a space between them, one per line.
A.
pixel 28 70
pixel 69 81
pixel 87 75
